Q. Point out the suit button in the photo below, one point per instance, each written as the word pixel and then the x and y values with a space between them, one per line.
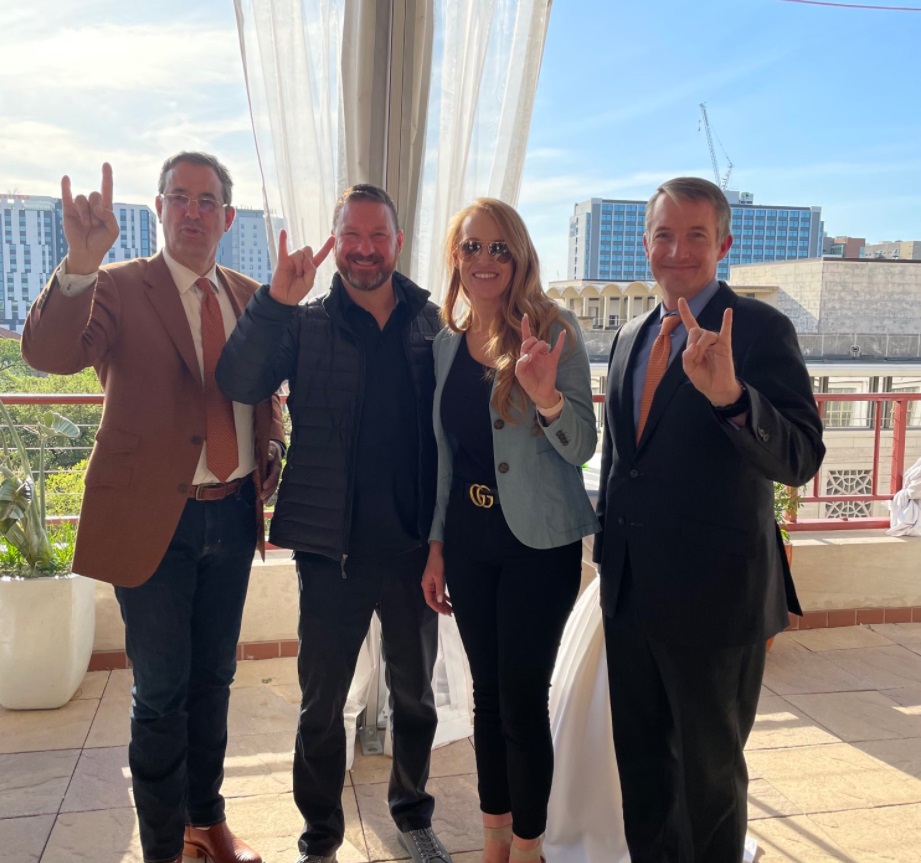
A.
pixel 634 474
pixel 503 467
pixel 764 434
pixel 499 424
pixel 182 488
pixel 197 439
pixel 621 521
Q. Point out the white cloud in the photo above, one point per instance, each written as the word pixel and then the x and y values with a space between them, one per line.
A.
pixel 111 57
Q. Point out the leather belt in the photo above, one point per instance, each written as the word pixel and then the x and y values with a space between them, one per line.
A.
pixel 216 490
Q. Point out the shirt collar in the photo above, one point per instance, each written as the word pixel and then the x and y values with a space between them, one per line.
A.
pixel 185 278
pixel 697 303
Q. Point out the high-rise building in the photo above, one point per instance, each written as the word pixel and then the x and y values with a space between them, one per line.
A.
pixel 606 237
pixel 32 244
pixel 245 246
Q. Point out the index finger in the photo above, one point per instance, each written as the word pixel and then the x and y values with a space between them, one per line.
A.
pixel 525 328
pixel 66 194
pixel 106 185
pixel 726 328
pixel 687 318
pixel 282 245
pixel 320 256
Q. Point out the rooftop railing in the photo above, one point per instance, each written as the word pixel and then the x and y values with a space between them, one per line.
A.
pixel 868 436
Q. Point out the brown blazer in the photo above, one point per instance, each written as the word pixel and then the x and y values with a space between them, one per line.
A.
pixel 133 330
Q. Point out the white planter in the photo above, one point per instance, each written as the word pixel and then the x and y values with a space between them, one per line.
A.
pixel 46 639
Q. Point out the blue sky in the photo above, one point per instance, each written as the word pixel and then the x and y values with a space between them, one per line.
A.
pixel 815 105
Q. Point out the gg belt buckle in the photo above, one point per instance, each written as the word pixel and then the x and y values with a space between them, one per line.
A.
pixel 481 496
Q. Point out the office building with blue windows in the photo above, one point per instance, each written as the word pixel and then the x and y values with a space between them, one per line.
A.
pixel 606 237
pixel 32 245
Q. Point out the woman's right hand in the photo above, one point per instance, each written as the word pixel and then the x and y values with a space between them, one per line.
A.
pixel 433 580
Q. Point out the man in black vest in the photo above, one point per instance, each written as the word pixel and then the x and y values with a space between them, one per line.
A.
pixel 356 499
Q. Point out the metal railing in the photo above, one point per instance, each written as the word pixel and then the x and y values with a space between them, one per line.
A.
pixel 886 419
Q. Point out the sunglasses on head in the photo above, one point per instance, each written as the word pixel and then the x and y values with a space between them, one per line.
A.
pixel 499 252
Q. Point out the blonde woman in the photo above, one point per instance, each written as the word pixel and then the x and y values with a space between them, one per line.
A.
pixel 514 421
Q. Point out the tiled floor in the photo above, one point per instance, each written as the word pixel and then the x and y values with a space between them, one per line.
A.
pixel 835 763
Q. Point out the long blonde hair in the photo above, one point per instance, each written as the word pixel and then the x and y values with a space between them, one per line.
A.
pixel 524 296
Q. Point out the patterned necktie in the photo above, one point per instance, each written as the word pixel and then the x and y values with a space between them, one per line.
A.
pixel 223 456
pixel 655 368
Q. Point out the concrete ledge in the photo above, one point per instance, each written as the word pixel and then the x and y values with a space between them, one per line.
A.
pixel 842 577
pixel 861 569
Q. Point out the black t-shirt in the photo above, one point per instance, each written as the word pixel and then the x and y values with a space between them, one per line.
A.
pixel 465 417
pixel 385 496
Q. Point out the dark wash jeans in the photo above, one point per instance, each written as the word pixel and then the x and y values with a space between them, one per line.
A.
pixel 181 632
pixel 334 616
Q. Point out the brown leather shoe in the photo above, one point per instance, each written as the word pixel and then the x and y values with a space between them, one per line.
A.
pixel 218 844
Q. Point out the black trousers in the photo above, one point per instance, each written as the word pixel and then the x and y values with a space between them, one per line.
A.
pixel 681 719
pixel 511 603
pixel 334 616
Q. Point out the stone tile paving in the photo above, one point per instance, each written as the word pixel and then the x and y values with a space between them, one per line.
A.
pixel 835 764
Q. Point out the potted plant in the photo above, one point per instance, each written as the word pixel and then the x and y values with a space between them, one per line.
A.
pixel 786 502
pixel 47 614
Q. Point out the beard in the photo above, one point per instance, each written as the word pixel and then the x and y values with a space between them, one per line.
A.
pixel 363 279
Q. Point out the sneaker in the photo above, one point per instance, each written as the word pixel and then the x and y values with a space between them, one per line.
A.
pixel 317 858
pixel 423 846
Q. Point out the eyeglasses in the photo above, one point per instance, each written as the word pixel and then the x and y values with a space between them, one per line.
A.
pixel 206 206
pixel 499 252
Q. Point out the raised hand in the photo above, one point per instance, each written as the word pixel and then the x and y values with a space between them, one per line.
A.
pixel 537 365
pixel 707 359
pixel 295 273
pixel 90 226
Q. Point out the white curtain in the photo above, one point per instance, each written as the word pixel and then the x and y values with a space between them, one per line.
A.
pixel 430 99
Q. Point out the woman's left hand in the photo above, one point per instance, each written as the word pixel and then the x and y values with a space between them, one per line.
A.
pixel 433 581
pixel 537 365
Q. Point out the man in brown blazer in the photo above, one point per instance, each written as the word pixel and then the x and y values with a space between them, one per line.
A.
pixel 172 511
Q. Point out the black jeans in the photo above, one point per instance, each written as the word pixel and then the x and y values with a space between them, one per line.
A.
pixel 334 616
pixel 511 603
pixel 181 632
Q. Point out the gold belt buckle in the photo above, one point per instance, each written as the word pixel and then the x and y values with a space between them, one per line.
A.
pixel 481 496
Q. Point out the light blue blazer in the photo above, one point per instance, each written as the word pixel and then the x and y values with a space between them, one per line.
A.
pixel 542 494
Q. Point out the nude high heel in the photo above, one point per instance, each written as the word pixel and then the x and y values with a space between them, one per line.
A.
pixel 528 855
pixel 502 835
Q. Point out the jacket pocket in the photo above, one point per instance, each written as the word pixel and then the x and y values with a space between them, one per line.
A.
pixel 112 462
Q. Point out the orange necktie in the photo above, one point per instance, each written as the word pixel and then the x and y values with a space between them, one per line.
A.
pixel 223 456
pixel 655 368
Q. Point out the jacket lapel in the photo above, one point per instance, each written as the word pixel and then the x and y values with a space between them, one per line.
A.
pixel 164 296
pixel 621 370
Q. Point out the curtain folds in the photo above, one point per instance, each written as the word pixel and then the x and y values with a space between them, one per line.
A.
pixel 430 99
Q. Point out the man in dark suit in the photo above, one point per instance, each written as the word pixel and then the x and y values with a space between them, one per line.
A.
pixel 708 403
pixel 172 511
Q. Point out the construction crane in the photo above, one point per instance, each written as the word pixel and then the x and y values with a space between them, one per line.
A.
pixel 722 182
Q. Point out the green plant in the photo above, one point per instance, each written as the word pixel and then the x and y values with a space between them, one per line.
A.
pixel 786 503
pixel 31 549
